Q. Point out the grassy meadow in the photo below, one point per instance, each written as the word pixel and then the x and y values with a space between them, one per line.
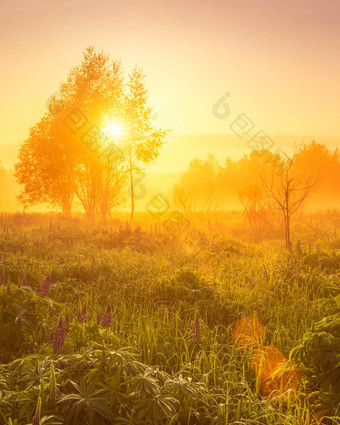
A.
pixel 136 325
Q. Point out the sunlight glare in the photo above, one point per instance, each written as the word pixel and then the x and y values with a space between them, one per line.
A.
pixel 114 129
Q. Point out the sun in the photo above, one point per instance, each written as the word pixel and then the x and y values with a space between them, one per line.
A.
pixel 113 129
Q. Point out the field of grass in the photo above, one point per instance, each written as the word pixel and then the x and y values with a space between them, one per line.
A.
pixel 129 326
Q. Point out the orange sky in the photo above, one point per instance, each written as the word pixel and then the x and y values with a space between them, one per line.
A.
pixel 278 59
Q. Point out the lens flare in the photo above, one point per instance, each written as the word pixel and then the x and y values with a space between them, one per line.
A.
pixel 279 379
pixel 248 332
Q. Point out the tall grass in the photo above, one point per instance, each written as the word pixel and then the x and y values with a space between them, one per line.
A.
pixel 156 287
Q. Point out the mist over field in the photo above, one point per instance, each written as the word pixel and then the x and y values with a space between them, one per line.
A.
pixel 169 212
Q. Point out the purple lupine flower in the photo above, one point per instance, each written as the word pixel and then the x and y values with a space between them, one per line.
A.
pixel 196 331
pixel 58 337
pixel 24 281
pixel 82 315
pixel 45 287
pixel 107 318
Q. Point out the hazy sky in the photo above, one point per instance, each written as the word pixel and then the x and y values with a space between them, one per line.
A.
pixel 278 59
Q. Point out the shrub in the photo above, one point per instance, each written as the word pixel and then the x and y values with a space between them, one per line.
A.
pixel 319 355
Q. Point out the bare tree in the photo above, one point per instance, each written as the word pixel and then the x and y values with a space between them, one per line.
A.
pixel 287 189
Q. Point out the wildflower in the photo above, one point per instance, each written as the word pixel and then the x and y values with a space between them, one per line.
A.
pixel 107 318
pixel 36 417
pixel 24 281
pixel 82 315
pixel 8 291
pixel 196 331
pixel 2 280
pixel 58 337
pixel 45 287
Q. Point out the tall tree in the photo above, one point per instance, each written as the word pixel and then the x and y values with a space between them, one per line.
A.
pixel 92 95
pixel 143 140
pixel 70 155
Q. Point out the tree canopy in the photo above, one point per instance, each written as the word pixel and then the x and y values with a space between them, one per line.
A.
pixel 71 157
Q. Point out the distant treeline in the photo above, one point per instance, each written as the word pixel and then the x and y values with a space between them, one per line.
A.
pixel 208 186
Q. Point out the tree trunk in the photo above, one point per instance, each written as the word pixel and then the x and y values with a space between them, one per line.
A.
pixel 67 210
pixel 287 217
pixel 104 211
pixel 66 205
pixel 132 197
pixel 90 212
pixel 286 232
pixel 288 242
